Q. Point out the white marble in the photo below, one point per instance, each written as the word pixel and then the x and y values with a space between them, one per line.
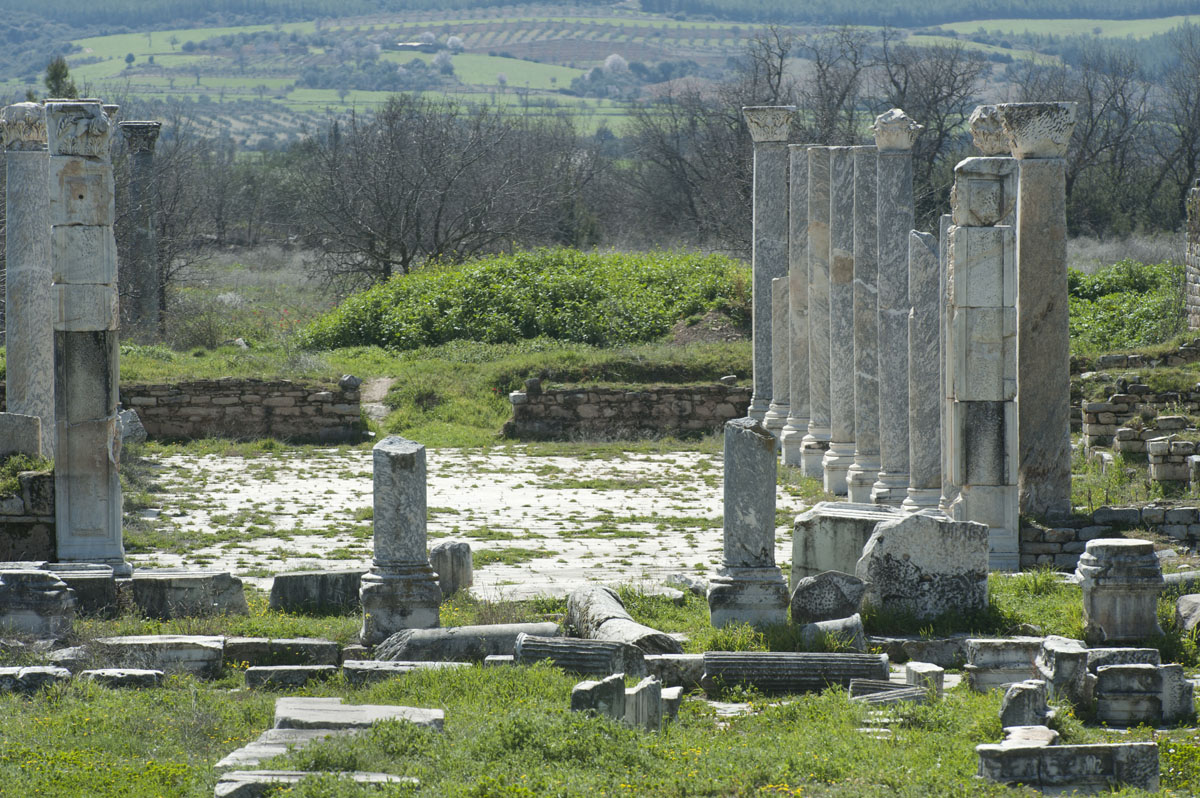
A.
pixel 816 441
pixel 836 464
pixel 860 479
pixel 792 438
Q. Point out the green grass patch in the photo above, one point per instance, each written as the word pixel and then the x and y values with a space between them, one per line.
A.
pixel 12 466
pixel 508 556
pixel 1127 305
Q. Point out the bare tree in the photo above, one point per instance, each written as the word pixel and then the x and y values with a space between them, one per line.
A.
pixel 1178 114
pixel 830 96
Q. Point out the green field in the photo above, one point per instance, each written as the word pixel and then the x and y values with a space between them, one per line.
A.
pixel 1118 28
pixel 482 70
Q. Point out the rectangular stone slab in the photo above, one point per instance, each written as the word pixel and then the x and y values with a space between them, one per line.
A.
pixel 331 713
pixel 83 254
pixel 81 191
pixel 831 536
pixel 364 671
pixel 274 742
pixel 261 783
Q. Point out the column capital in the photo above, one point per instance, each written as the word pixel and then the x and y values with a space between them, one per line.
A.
pixel 140 136
pixel 987 132
pixel 1038 130
pixel 768 122
pixel 23 127
pixel 78 127
pixel 895 131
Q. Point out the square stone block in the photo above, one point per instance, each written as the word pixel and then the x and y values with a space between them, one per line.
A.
pixel 983 350
pixel 985 191
pixel 81 191
pixel 85 370
pixel 982 267
pixel 20 434
pixel 985 456
pixel 83 255
pixel 85 308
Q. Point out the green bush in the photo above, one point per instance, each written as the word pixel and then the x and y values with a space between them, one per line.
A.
pixel 1127 305
pixel 603 299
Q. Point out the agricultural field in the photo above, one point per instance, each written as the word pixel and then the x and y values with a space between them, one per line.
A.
pixel 1108 28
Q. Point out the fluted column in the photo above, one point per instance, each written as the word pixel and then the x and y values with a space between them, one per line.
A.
pixel 28 296
pixel 142 285
pixel 945 222
pixel 861 479
pixel 924 384
pixel 1039 134
pixel 840 456
pixel 768 126
pixel 816 442
pixel 84 264
pixel 895 134
pixel 792 438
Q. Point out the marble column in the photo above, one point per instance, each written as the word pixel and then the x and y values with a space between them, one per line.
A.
pixel 981 357
pixel 768 126
pixel 1039 134
pixel 924 372
pixel 28 295
pixel 861 479
pixel 792 438
pixel 816 442
pixel 840 455
pixel 748 586
pixel 86 367
pixel 401 590
pixel 780 367
pixel 895 134
pixel 945 222
pixel 141 286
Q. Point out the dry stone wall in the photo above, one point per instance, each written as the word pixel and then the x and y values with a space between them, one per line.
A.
pixel 27 519
pixel 611 412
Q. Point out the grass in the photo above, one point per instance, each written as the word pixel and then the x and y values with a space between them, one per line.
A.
pixel 12 466
pixel 1108 28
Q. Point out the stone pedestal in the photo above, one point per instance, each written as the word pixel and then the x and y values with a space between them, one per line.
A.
pixel 1121 582
pixel 981 365
pixel 28 297
pixel 452 561
pixel 84 269
pixel 748 587
pixel 924 372
pixel 1039 134
pixel 816 442
pixel 895 133
pixel 840 456
pixel 401 589
pixel 860 480
pixel 141 287
pixel 777 415
pixel 768 126
pixel 792 438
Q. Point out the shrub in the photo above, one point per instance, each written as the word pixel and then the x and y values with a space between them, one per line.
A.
pixel 1127 305
pixel 602 299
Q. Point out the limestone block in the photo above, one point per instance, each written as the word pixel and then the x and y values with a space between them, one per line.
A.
pixel 264 783
pixel 926 675
pixel 596 612
pixel 1063 664
pixel 999 662
pixel 1024 704
pixel 788 672
pixel 984 268
pixel 644 706
pixel 81 193
pixel 672 697
pixel 831 536
pixel 276 677
pixel 20 434
pixel 85 308
pixel 30 680
pixel 83 254
pixel 593 657
pixel 94 585
pixel 451 560
pixel 984 367
pixel 274 742
pixel 256 651
pixel 925 565
pixel 197 654
pixel 606 697
pixel 180 593
pixel 984 193
pixel 331 713
pixel 1121 580
pixel 680 670
pixel 123 677
pixel 1103 657
pixel 459 643
pixel 35 603
pixel 1065 768
pixel 841 634
pixel 316 591
pixel 828 596
pixel 365 671
pixel 1187 611
pixel 398 598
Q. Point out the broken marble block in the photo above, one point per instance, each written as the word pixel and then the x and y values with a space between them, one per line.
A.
pixel 35 603
pixel 605 697
pixel 123 677
pixel 831 536
pixel 999 662
pixel 201 655
pixel 1062 663
pixel 676 670
pixel 181 593
pixel 843 634
pixel 644 705
pixel 575 655
pixel 451 560
pixel 926 675
pixel 264 783
pixel 597 613
pixel 30 680
pixel 277 677
pixel 334 592
pixel 1121 581
pixel 1187 612
pixel 1063 768
pixel 1128 695
pixel 926 566
pixel 296 712
pixel 827 596
pixel 460 643
pixel 254 651
pixel 1024 704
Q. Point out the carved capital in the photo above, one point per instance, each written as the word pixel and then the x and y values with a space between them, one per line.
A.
pixel 23 127
pixel 140 136
pixel 987 132
pixel 768 122
pixel 78 128
pixel 1038 130
pixel 895 131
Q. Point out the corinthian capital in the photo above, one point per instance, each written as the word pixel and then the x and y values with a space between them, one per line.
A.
pixel 768 122
pixel 140 136
pixel 895 131
pixel 1038 130
pixel 23 127
pixel 76 127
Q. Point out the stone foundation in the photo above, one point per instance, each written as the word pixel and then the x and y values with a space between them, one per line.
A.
pixel 27 519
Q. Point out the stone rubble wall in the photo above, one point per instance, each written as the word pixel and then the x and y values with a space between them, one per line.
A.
pixel 1060 546
pixel 612 412
pixel 1191 297
pixel 1186 353
pixel 233 407
pixel 1102 420
pixel 27 519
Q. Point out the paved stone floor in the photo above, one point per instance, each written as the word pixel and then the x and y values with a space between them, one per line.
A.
pixel 537 524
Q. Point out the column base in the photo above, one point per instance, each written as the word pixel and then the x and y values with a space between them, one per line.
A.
pixel 757 596
pixel 891 488
pixel 860 479
pixel 776 419
pixel 922 499
pixel 398 598
pixel 836 466
pixel 758 408
pixel 812 452
pixel 791 440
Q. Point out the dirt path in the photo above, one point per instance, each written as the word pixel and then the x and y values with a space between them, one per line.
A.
pixel 372 394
